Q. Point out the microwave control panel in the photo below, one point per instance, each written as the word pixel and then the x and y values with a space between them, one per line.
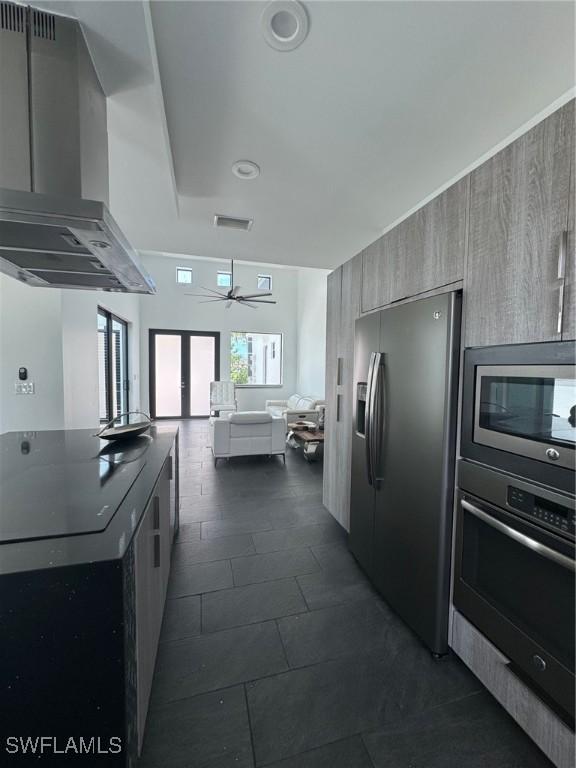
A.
pixel 557 516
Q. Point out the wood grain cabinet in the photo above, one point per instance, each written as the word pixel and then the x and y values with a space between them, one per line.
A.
pixel 423 252
pixel 333 304
pixel 569 301
pixel 519 208
pixel 429 246
pixel 376 274
pixel 342 310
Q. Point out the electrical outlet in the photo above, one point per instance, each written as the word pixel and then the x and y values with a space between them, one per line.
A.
pixel 24 387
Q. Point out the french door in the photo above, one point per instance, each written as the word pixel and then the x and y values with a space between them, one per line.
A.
pixel 182 365
pixel 113 382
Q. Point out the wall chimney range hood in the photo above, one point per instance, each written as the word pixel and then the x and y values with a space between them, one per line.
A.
pixel 55 227
pixel 66 243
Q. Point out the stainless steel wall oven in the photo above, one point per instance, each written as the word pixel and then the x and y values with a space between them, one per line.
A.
pixel 514 576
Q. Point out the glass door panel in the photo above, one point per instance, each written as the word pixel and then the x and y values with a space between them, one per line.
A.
pixel 168 376
pixel 103 367
pixel 202 367
pixel 113 383
pixel 119 367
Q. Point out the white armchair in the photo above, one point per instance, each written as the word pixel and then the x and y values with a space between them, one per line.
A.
pixel 222 397
pixel 247 433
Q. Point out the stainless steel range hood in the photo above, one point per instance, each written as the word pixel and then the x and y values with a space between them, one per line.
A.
pixel 66 243
pixel 55 228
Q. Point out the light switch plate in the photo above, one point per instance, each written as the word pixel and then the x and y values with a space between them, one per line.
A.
pixel 24 387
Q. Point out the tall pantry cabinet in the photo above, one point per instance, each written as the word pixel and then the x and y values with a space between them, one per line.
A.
pixel 343 307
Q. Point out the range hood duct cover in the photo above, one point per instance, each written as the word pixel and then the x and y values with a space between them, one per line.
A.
pixel 55 228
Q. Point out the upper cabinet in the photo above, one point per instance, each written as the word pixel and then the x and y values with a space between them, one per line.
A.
pixel 517 250
pixel 376 272
pixel 429 246
pixel 569 302
pixel 425 251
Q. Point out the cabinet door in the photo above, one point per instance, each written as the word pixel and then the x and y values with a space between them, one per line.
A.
pixel 334 300
pixel 518 213
pixel 429 245
pixel 349 312
pixel 152 547
pixel 376 274
pixel 162 494
pixel 569 308
pixel 148 591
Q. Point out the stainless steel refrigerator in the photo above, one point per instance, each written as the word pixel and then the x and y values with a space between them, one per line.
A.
pixel 403 446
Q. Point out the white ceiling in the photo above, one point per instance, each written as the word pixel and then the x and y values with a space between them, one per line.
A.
pixel 382 104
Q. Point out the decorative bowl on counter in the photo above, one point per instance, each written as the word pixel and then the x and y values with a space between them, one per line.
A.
pixel 124 431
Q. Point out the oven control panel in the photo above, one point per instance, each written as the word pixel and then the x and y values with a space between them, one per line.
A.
pixel 561 518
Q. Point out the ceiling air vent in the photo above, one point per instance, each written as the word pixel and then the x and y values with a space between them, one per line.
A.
pixel 12 17
pixel 43 25
pixel 232 222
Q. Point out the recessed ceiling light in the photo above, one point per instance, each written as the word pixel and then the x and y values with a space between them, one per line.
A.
pixel 246 169
pixel 284 24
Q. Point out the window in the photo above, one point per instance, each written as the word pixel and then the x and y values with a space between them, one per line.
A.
pixel 224 279
pixel 113 384
pixel 184 276
pixel 256 359
pixel 264 283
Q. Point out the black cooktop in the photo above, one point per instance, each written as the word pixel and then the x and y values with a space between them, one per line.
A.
pixel 63 482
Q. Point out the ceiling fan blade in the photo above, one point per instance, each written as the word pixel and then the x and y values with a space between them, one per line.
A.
pixel 262 301
pixel 206 296
pixel 245 303
pixel 235 290
pixel 228 304
pixel 256 295
pixel 209 301
pixel 218 293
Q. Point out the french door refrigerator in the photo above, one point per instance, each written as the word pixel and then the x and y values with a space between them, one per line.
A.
pixel 403 446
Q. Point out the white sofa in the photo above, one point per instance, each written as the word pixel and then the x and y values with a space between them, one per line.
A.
pixel 247 433
pixel 296 408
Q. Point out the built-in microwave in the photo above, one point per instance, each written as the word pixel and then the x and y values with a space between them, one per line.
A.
pixel 519 410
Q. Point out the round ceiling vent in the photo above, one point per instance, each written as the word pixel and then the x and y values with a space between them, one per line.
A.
pixel 284 24
pixel 246 169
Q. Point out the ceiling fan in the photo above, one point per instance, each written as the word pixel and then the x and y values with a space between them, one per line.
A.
pixel 245 299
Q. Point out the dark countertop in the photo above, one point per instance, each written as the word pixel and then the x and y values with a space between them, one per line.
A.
pixel 67 497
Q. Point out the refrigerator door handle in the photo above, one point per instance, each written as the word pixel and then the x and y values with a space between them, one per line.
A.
pixel 368 417
pixel 377 414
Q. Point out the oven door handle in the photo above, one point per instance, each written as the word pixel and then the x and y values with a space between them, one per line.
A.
pixel 526 541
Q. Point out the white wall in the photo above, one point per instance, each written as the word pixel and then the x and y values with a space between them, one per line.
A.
pixel 53 334
pixel 311 331
pixel 30 336
pixel 171 309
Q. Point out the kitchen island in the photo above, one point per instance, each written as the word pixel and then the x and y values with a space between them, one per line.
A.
pixel 86 530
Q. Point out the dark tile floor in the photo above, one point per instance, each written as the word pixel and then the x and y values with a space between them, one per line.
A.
pixel 275 650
